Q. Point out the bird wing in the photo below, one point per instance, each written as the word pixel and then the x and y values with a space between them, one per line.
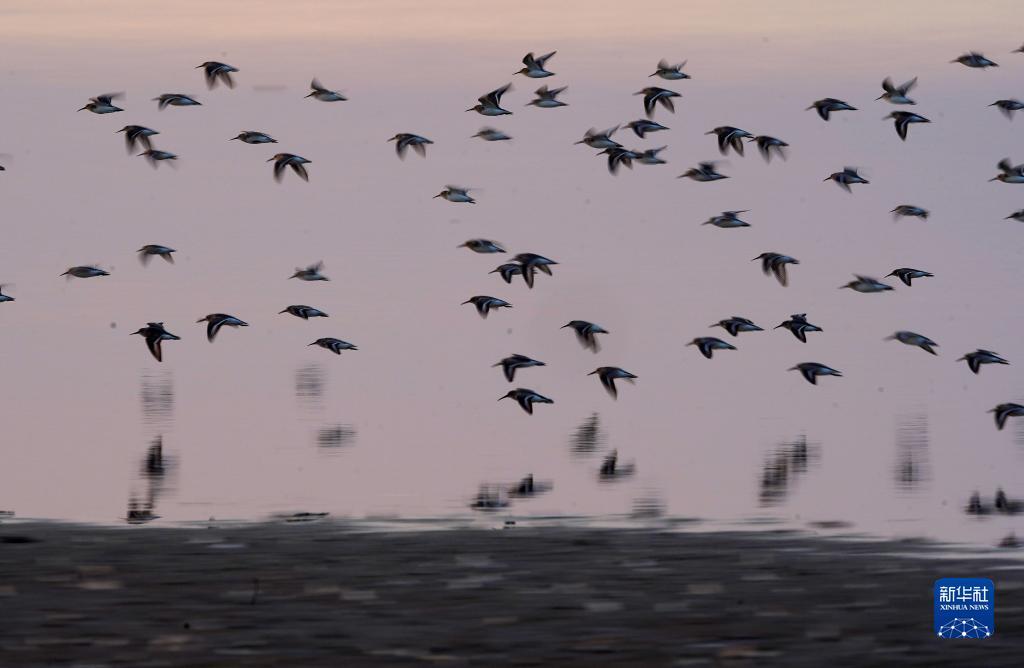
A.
pixel 543 59
pixel 212 327
pixel 153 343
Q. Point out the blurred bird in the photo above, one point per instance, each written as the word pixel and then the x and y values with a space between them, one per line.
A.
pixel 484 304
pixel 175 100
pixel 149 250
pixel 897 94
pixel 490 134
pixel 215 72
pixel 827 105
pixel 84 271
pixel 811 370
pixel 611 470
pixel 490 104
pixel 137 134
pixel 1016 215
pixel 155 334
pixel 974 59
pixel 799 326
pixel 508 270
pixel 1004 411
pixel 981 356
pixel 1010 173
pixel 455 194
pixel 535 66
pixel 846 177
pixel 531 262
pixel 215 321
pixel 154 156
pixel 586 333
pixel 727 219
pixel 608 375
pixel 603 139
pixel 642 126
pixel 284 160
pixel 654 96
pixel 1008 106
pixel 510 364
pixel 3 297
pixel 255 137
pixel 1005 505
pixel 910 211
pixel 547 98
pixel 526 398
pixel 907 275
pixel 703 172
pixel 902 121
pixel 766 145
pixel 103 104
pixel 303 311
pixel 730 137
pixel 707 345
pixel 405 140
pixel 310 273
pixel 324 94
pixel 736 324
pixel 914 339
pixel 650 156
pixel 775 263
pixel 333 344
pixel 619 156
pixel 481 246
pixel 866 284
pixel 670 72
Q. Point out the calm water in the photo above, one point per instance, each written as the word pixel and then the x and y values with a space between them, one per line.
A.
pixel 409 426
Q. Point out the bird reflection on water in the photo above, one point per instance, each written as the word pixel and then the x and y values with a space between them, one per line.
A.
pixel 588 437
pixel 782 468
pixel 912 466
pixel 154 473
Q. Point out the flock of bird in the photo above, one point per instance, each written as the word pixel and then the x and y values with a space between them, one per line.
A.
pixel 530 265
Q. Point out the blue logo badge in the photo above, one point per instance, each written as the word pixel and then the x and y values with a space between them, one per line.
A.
pixel 965 608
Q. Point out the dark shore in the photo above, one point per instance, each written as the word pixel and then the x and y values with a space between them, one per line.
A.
pixel 324 594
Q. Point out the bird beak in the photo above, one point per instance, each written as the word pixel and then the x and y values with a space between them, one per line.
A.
pixel 201 319
pixel 272 160
pixel 311 344
pixel 471 109
pixel 504 397
pixel 592 372
pixel 84 108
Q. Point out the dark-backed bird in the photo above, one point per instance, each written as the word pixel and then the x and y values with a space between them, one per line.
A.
pixel 535 66
pixel 914 339
pixel 137 134
pixel 775 263
pixel 149 250
pixel 283 161
pixel 897 94
pixel 642 126
pixel 530 262
pixel 1010 173
pixel 155 334
pixel 254 137
pixel 974 59
pixel 907 275
pixel 650 156
pixel 310 273
pixel 902 121
pixel 608 375
pixel 481 246
pixel 406 140
pixel 769 145
pixel 736 324
pixel 909 210
pixel 526 398
pixel 866 284
pixel 215 321
pixel 303 311
pixel 595 138
pixel 547 98
pixel 799 326
pixel 811 370
pixel 730 137
pixel 155 157
pixel 490 104
pixel 215 72
pixel 827 105
pixel 702 173
pixel 455 194
pixel 1004 411
pixel 507 271
pixel 707 345
pixel 727 219
pixel 670 72
pixel 619 156
pixel 586 333
pixel 324 94
pixel 333 344
pixel 981 356
pixel 491 134
pixel 103 104
pixel 175 100
pixel 510 364
pixel 3 297
pixel 1017 215
pixel 1008 106
pixel 84 271
pixel 653 96
pixel 846 178
pixel 484 304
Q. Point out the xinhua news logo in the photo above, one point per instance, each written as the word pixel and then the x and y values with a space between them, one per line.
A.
pixel 965 608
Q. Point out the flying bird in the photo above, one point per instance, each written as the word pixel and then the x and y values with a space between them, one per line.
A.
pixel 282 161
pixel 827 105
pixel 490 104
pixel 909 211
pixel 727 220
pixel 730 137
pixel 324 94
pixel 914 339
pixel 547 98
pixel 215 321
pixel 981 356
pixel 866 284
pixel 897 94
pixel 608 375
pixel 775 263
pixel 702 173
pixel 650 156
pixel 619 156
pixel 310 273
pixel 798 325
pixel 175 100
pixel 490 134
pixel 643 126
pixel 846 178
pixel 84 271
pixel 670 72
pixel 907 275
pixel 103 104
pixel 530 262
pixel 137 134
pixel 484 304
pixel 902 121
pixel 303 311
pixel 3 297
pixel 1004 411
pixel 974 59
pixel 155 334
pixel 653 96
pixel 767 145
pixel 481 246
pixel 736 324
pixel 215 72
pixel 707 345
pixel 333 344
pixel 512 363
pixel 507 271
pixel 1010 173
pixel 600 139
pixel 586 333
pixel 254 137
pixel 154 156
pixel 535 66
pixel 405 140
pixel 149 250
pixel 1008 107
pixel 1016 215
pixel 526 398
pixel 811 370
pixel 455 194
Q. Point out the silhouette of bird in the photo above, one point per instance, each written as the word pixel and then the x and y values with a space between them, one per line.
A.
pixel 175 100
pixel 736 324
pixel 526 398
pixel 254 137
pixel 727 219
pixel 600 139
pixel 481 246
pixel 405 140
pixel 907 275
pixel 535 66
pixel 333 344
pixel 310 273
pixel 303 311
pixel 653 96
pixel 484 304
pixel 670 72
pixel 619 156
pixel 1008 106
pixel 707 345
pixel 902 121
pixel 154 157
pixel 703 172
pixel 155 334
pixel 730 137
pixel 455 194
pixel 846 178
pixel 897 94
pixel 981 356
pixel 547 98
pixel 799 326
pixel 508 270
pixel 767 145
pixel 149 250
pixel 811 370
pixel 643 126
pixel 608 375
pixel 282 161
pixel 1016 215
pixel 909 210
pixel 775 263
pixel 3 297
pixel 84 271
pixel 215 321
pixel 103 104
pixel 914 339
pixel 1010 173
pixel 1004 411
pixel 137 134
pixel 214 72
pixel 586 333
pixel 324 94
pixel 490 104
pixel 827 105
pixel 650 156
pixel 974 59
pixel 510 364
pixel 490 134
pixel 531 262
pixel 866 284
